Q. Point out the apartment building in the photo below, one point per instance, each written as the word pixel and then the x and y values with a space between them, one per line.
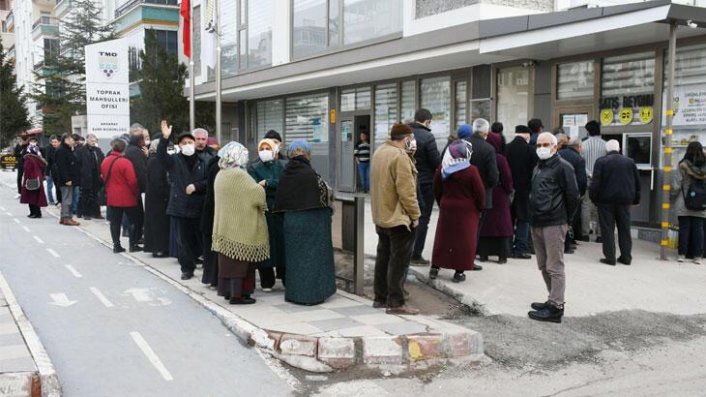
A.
pixel 7 27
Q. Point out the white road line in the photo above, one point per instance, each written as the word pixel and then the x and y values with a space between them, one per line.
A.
pixel 53 253
pixel 73 271
pixel 26 229
pixel 101 297
pixel 17 221
pixel 2 209
pixel 8 213
pixel 149 353
pixel 39 240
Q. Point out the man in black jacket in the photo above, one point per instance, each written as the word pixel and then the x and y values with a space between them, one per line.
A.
pixel 572 154
pixel 90 156
pixel 189 182
pixel 522 160
pixel 19 153
pixel 137 152
pixel 614 187
pixel 68 177
pixel 553 202
pixel 50 171
pixel 427 159
pixel 484 158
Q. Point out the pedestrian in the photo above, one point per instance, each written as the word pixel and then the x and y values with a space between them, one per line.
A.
pixel 396 215
pixel 485 159
pixel 498 128
pixel 362 158
pixel 572 154
pixel 239 225
pixel 50 151
pixel 593 149
pixel 90 156
pixel 209 276
pixel 203 150
pixel 536 127
pixel 189 179
pixel 137 153
pixel 19 153
pixel 427 159
pixel 79 142
pixel 156 229
pixel 68 176
pixel 562 139
pixel 689 181
pixel 121 191
pixel 496 233
pixel 305 200
pixel 460 194
pixel 614 188
pixel 553 201
pixel 32 192
pixel 267 171
pixel 521 160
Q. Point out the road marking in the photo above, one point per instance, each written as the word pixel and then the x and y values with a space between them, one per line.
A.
pixel 60 299
pixel 17 221
pixel 140 294
pixel 73 271
pixel 26 229
pixel 39 240
pixel 8 213
pixel 101 297
pixel 53 253
pixel 151 356
pixel 2 209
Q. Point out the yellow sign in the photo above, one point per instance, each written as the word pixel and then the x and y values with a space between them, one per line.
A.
pixel 625 116
pixel 607 116
pixel 646 114
pixel 332 116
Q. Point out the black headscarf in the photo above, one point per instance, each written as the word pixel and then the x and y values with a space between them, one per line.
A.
pixel 300 188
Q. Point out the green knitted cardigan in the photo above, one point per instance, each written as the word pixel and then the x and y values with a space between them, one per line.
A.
pixel 239 224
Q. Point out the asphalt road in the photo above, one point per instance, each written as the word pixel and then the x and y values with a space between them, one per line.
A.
pixel 112 328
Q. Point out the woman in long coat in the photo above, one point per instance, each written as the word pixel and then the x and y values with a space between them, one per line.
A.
pixel 496 234
pixel 34 166
pixel 210 257
pixel 239 225
pixel 305 200
pixel 460 194
pixel 692 168
pixel 156 228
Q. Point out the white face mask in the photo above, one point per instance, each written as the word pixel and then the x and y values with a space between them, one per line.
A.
pixel 266 155
pixel 147 142
pixel 544 153
pixel 188 149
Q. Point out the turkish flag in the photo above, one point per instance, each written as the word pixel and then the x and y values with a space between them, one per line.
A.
pixel 186 27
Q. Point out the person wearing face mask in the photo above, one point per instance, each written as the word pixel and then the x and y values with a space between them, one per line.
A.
pixel 156 230
pixel 426 159
pixel 136 152
pixel 267 171
pixel 522 161
pixel 90 156
pixel 554 199
pixel 189 181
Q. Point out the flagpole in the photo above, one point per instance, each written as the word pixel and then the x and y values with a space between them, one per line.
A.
pixel 217 21
pixel 192 103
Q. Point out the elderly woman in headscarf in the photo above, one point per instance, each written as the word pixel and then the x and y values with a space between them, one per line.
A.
pixel 460 194
pixel 267 171
pixel 305 199
pixel 239 226
pixel 32 190
pixel 157 221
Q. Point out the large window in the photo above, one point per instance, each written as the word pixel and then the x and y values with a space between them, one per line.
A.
pixel 270 116
pixel 408 101
pixel 353 99
pixel 460 103
pixel 513 95
pixel 251 36
pixel 628 75
pixel 385 111
pixel 436 96
pixel 307 118
pixel 319 25
pixel 575 80
pixel 229 38
pixel 168 40
pixel 259 25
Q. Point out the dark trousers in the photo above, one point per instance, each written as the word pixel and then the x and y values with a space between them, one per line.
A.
pixel 139 222
pixel 35 210
pixel 393 255
pixel 691 236
pixel 188 243
pixel 210 262
pixel 610 216
pixel 87 205
pixel 267 277
pixel 425 196
pixel 20 172
pixel 116 218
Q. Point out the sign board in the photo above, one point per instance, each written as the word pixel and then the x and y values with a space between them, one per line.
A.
pixel 108 88
pixel 8 161
pixel 689 105
pixel 627 110
pixel 574 123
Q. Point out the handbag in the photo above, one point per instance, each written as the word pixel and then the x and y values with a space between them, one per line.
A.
pixel 32 184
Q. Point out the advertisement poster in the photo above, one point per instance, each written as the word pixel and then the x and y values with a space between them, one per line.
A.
pixel 689 105
pixel 108 88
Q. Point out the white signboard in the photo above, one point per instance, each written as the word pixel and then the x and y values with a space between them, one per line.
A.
pixel 108 88
pixel 689 105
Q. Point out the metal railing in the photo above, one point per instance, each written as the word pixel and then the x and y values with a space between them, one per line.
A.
pixel 127 7
pixel 45 20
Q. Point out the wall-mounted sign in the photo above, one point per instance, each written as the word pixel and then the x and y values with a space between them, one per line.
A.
pixel 689 105
pixel 627 110
pixel 646 114
pixel 573 124
pixel 108 88
pixel 607 116
pixel 625 116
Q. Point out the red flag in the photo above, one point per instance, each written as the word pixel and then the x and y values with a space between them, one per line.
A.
pixel 186 27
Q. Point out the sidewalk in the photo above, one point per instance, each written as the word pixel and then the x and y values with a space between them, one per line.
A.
pixel 25 369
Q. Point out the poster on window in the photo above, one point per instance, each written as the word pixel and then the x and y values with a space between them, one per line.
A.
pixel 107 88
pixel 689 105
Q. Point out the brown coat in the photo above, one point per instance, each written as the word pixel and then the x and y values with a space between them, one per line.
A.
pixel 393 188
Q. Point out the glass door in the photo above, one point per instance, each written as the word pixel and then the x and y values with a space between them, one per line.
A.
pixel 346 162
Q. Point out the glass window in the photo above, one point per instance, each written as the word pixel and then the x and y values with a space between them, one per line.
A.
pixel 309 29
pixel 481 82
pixel 460 104
pixel 575 80
pixel 385 111
pixel 260 18
pixel 362 98
pixel 369 19
pixel 628 75
pixel 334 23
pixel 436 96
pixel 270 116
pixel 348 100
pixel 229 38
pixel 513 95
pixel 307 118
pixel 243 43
pixel 408 101
pixel 481 109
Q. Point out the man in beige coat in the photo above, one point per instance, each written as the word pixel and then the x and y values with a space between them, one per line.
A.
pixel 396 215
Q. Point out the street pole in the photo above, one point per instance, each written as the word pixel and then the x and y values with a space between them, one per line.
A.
pixel 192 103
pixel 217 18
pixel 667 166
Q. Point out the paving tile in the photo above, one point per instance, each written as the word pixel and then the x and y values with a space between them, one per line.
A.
pixel 337 302
pixel 21 364
pixel 365 330
pixel 299 328
pixel 14 351
pixel 378 318
pixel 335 324
pixel 316 315
pixel 8 328
pixel 292 308
pixel 404 328
pixel 357 310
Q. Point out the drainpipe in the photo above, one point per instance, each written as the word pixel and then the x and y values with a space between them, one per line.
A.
pixel 667 166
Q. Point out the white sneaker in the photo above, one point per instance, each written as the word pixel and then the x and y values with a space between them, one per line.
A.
pixel 681 258
pixel 697 261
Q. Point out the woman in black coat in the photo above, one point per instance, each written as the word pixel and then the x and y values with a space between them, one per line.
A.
pixel 210 259
pixel 156 228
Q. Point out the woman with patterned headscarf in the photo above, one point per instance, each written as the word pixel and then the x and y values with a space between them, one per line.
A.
pixel 32 190
pixel 460 194
pixel 305 200
pixel 239 226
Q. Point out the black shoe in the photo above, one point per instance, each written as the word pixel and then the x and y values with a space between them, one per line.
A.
pixel 477 268
pixel 483 258
pixel 599 239
pixel 159 255
pixel 550 314
pixel 502 261
pixel 607 261
pixel 86 218
pixel 522 256
pixel 418 260
pixel 459 277
pixel 623 261
pixel 117 248
pixel 540 305
pixel 583 238
pixel 569 251
pixel 242 301
pixel 135 248
pixel 187 275
pixel 433 273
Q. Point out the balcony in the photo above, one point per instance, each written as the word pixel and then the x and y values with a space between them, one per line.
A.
pixel 45 26
pixel 132 4
pixel 62 6
pixel 10 21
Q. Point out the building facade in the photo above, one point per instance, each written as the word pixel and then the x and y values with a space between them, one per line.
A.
pixel 7 27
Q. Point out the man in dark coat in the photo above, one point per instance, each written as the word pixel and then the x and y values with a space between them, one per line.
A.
pixel 615 186
pixel 205 152
pixel 50 170
pixel 90 156
pixel 68 177
pixel 19 152
pixel 484 158
pixel 156 230
pixel 536 127
pixel 571 152
pixel 189 182
pixel 136 152
pixel 427 159
pixel 522 160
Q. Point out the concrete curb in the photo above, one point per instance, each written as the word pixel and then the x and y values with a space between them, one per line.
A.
pixel 422 274
pixel 45 381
